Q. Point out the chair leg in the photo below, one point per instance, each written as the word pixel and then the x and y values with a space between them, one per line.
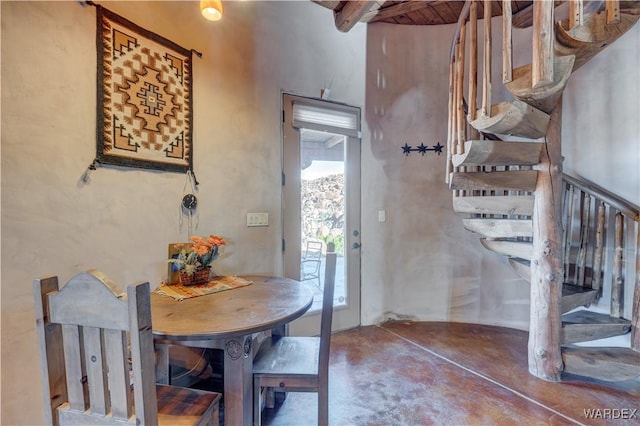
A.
pixel 323 406
pixel 162 364
pixel 257 414
pixel 216 417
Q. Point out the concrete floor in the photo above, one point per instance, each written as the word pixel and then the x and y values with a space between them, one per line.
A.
pixel 449 374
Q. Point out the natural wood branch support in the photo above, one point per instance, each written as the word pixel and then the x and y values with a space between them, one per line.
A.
pixel 486 69
pixel 617 286
pixel 568 206
pixel 581 261
pixel 543 39
pixel 576 13
pixel 451 120
pixel 351 13
pixel 613 12
pixel 544 355
pixel 598 253
pixel 460 124
pixel 473 61
pixel 507 55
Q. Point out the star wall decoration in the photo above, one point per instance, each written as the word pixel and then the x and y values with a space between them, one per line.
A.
pixel 422 149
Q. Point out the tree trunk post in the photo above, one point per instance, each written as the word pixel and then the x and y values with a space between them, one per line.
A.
pixel 544 355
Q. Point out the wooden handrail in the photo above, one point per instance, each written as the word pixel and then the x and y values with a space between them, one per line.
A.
pixel 625 207
pixel 456 98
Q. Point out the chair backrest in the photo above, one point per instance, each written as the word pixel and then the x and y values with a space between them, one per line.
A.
pixel 95 344
pixel 313 250
pixel 327 310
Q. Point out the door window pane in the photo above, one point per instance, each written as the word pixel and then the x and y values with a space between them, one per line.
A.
pixel 322 197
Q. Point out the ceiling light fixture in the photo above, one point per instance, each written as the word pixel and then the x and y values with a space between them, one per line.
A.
pixel 211 9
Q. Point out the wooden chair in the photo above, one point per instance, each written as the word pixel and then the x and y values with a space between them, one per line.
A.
pixel 299 364
pixel 311 261
pixel 97 358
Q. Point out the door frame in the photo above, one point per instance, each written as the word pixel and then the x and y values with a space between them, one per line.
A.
pixel 347 316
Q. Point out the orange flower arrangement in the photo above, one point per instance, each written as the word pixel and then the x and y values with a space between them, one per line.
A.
pixel 200 253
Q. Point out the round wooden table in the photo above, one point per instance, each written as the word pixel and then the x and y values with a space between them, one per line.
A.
pixel 230 320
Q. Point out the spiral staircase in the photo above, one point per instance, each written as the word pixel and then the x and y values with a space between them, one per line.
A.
pixel 505 173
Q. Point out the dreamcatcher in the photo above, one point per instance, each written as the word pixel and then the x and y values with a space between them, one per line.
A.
pixel 189 204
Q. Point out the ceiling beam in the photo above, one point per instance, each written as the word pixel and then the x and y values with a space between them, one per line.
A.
pixel 351 13
pixel 326 3
pixel 395 10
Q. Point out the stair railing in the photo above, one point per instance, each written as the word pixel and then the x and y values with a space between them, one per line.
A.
pixel 602 244
pixel 543 40
pixel 542 66
pixel 456 123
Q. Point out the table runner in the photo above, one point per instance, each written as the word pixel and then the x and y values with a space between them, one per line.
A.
pixel 222 283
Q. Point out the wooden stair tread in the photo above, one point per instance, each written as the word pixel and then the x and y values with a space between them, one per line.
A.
pixel 588 39
pixel 514 118
pixel 583 326
pixel 508 205
pixel 512 180
pixel 590 317
pixel 543 98
pixel 521 266
pixel 516 249
pixel 611 364
pixel 500 228
pixel 498 153
pixel 574 296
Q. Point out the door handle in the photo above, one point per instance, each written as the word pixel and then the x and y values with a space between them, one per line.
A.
pixel 355 245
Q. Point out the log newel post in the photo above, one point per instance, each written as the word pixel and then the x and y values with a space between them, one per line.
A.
pixel 544 355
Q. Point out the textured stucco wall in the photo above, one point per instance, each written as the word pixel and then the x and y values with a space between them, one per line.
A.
pixel 421 263
pixel 601 113
pixel 122 220
pixel 601 136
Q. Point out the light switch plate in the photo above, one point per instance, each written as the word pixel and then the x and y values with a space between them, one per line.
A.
pixel 382 215
pixel 257 219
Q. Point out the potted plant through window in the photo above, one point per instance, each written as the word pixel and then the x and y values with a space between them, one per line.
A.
pixel 194 259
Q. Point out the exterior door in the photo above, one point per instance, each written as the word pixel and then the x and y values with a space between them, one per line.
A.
pixel 321 195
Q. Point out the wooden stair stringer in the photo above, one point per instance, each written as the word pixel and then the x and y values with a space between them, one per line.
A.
pixel 543 98
pixel 498 153
pixel 610 364
pixel 590 38
pixel 584 326
pixel 514 118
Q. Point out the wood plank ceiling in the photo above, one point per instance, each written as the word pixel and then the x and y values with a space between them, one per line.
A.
pixel 348 13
